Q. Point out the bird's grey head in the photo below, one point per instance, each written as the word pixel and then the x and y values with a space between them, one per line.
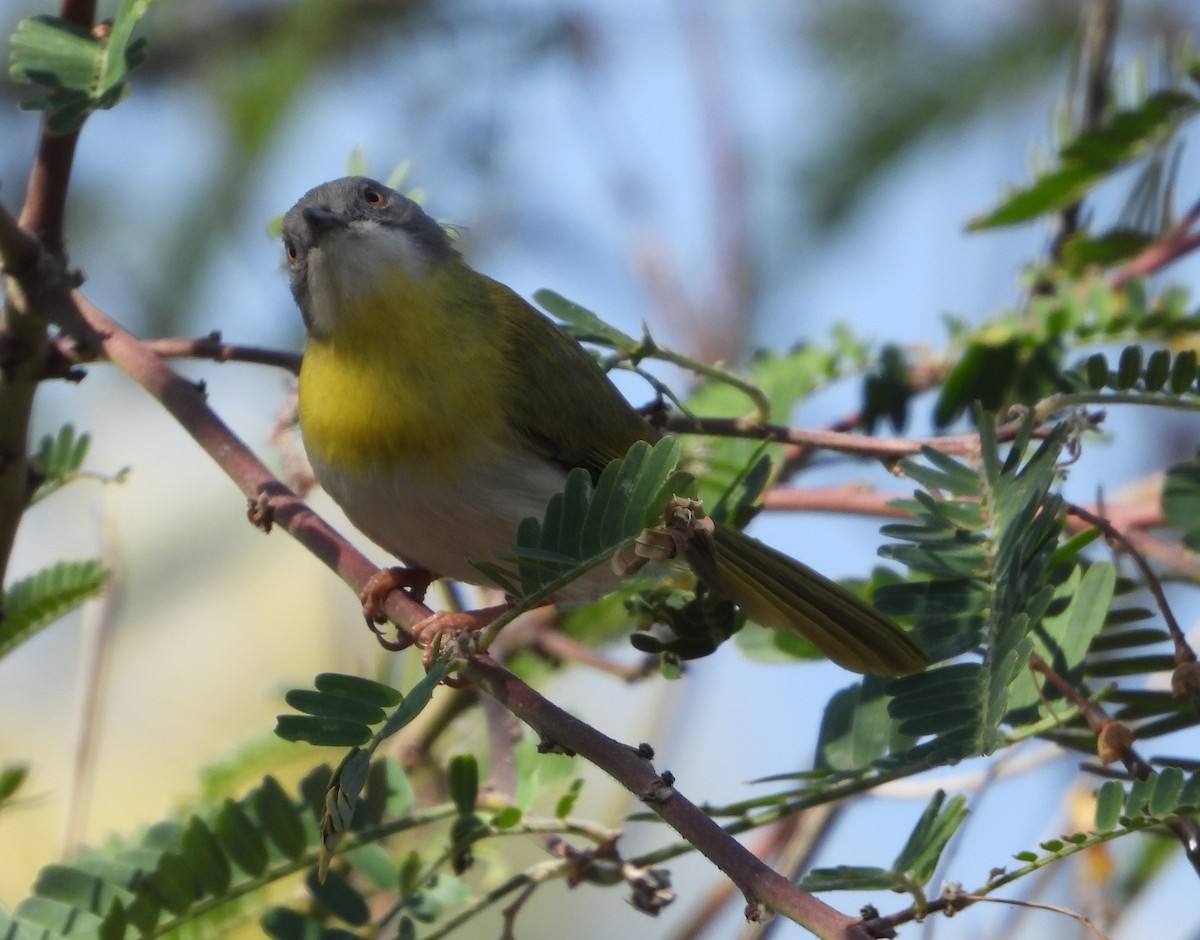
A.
pixel 342 236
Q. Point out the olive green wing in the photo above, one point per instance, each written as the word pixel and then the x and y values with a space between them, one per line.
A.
pixel 557 398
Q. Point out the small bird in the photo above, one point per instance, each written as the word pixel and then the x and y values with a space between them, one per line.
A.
pixel 439 409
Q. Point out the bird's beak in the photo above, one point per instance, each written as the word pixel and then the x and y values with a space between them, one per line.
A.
pixel 320 220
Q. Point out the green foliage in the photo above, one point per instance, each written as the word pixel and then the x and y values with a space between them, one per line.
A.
pixel 180 874
pixel 1094 155
pixel 586 327
pixel 585 524
pixel 1156 378
pixel 59 459
pixel 34 603
pixel 1125 649
pixel 886 390
pixel 998 368
pixel 83 71
pixel 341 713
pixel 856 729
pixel 914 865
pixel 1181 498
pixel 12 778
pixel 732 471
pixel 189 876
pixel 1022 359
pixel 1160 798
pixel 985 549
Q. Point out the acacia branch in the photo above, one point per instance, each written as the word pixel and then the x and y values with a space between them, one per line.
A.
pixel 208 347
pixel 46 193
pixel 24 347
pixel 764 889
pixel 886 449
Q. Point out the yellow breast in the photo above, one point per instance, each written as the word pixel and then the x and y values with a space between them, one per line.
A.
pixel 402 381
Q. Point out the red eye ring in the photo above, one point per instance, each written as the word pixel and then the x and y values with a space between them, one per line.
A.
pixel 374 197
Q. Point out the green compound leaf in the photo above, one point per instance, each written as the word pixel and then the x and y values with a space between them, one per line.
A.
pixel 279 818
pixel 1092 156
pixel 992 580
pixel 584 325
pixel 34 603
pixel 59 458
pixel 856 728
pixel 84 71
pixel 850 878
pixel 242 841
pixel 920 855
pixel 364 690
pixel 584 524
pixel 339 897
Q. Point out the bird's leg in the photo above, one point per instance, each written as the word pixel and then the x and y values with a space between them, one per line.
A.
pixel 374 594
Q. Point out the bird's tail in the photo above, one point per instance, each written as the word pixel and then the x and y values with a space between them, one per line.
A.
pixel 780 592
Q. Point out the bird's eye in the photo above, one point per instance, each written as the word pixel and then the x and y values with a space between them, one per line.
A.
pixel 374 197
pixel 290 247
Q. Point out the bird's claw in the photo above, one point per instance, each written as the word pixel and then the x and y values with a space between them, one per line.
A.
pixel 453 634
pixel 375 592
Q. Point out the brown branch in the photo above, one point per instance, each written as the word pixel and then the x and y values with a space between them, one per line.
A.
pixel 886 449
pixel 46 194
pixel 1178 241
pixel 24 347
pixel 846 499
pixel 764 889
pixel 201 347
pixel 19 251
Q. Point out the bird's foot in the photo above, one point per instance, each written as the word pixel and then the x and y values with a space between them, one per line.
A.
pixel 453 633
pixel 374 594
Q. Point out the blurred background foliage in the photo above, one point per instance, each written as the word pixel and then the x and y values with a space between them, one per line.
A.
pixel 737 174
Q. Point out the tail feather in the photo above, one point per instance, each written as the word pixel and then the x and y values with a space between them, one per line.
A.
pixel 780 592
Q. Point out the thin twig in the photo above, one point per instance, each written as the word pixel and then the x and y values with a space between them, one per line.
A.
pixel 202 347
pixel 887 449
pixel 1115 742
pixel 1183 651
pixel 1035 905
pixel 510 912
